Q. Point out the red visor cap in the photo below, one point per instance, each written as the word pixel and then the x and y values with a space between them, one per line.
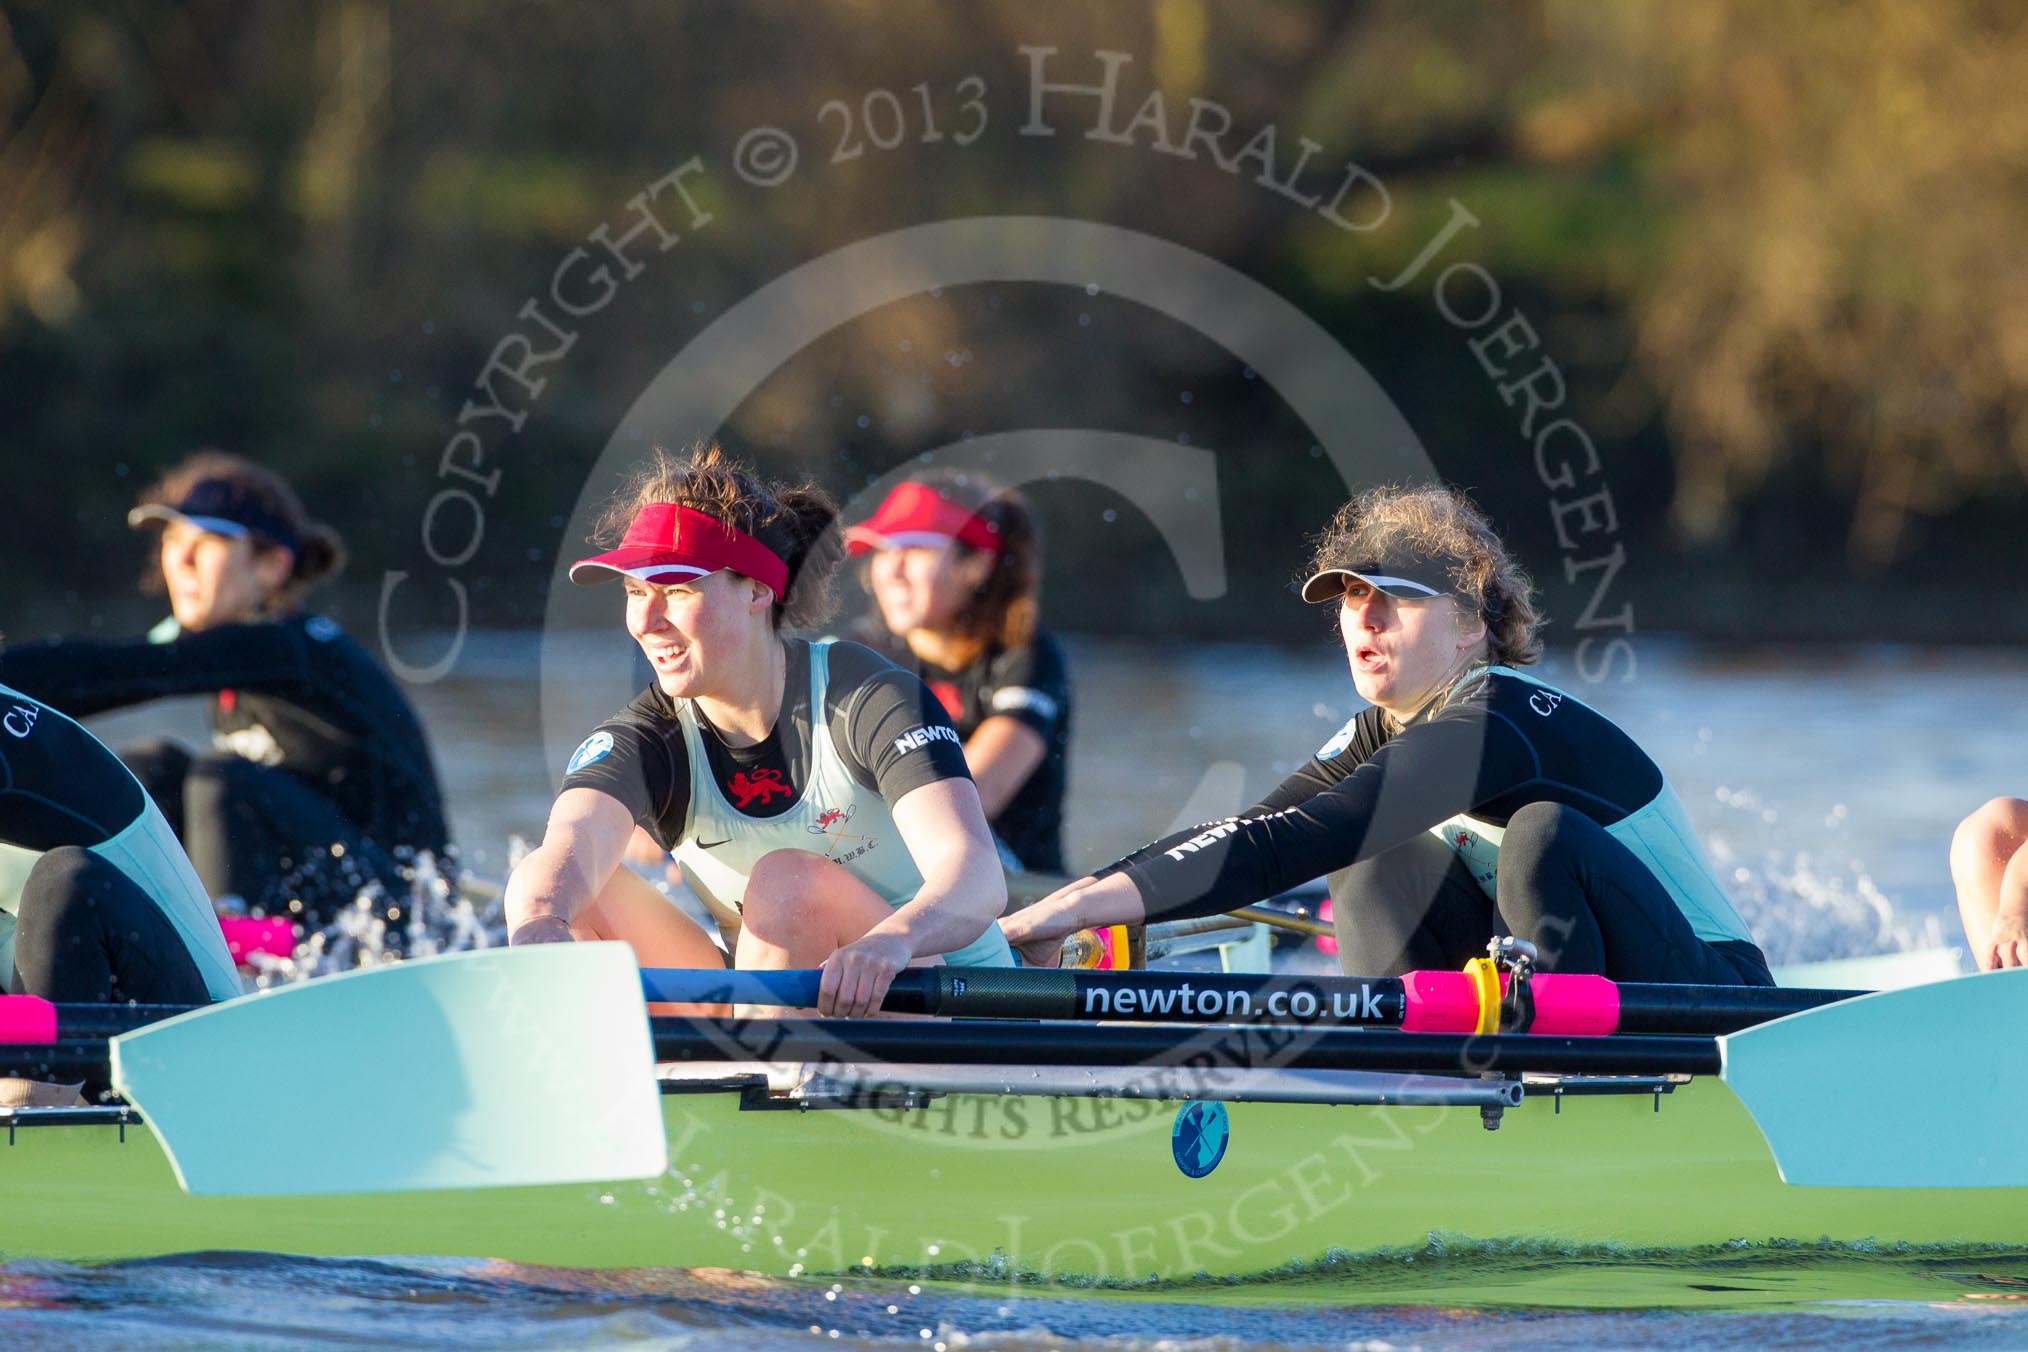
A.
pixel 916 516
pixel 666 544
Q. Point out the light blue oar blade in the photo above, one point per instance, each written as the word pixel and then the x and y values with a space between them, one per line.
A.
pixel 1914 1088
pixel 500 1068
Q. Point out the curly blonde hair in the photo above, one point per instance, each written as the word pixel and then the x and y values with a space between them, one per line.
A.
pixel 1440 522
pixel 793 520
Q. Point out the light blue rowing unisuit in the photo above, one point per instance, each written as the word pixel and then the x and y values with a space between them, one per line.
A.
pixel 59 785
pixel 1499 741
pixel 1658 832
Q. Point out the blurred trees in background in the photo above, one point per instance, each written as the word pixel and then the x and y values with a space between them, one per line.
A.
pixel 1773 247
pixel 1843 302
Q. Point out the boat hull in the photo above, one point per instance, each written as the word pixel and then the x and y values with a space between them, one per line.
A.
pixel 980 1186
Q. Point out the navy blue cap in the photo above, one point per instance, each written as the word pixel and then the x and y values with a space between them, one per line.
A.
pixel 220 507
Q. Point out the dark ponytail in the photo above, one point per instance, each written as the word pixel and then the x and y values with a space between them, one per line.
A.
pixel 1002 611
pixel 320 556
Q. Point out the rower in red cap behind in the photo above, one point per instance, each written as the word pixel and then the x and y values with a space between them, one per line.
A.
pixel 955 571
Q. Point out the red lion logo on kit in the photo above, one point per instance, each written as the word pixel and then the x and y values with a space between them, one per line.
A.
pixel 950 697
pixel 761 784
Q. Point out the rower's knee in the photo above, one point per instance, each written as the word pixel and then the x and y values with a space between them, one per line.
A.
pixel 1540 855
pixel 777 886
pixel 1991 834
pixel 790 870
pixel 59 873
pixel 1535 832
pixel 58 884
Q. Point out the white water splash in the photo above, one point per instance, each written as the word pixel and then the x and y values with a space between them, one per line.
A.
pixel 1801 904
pixel 437 917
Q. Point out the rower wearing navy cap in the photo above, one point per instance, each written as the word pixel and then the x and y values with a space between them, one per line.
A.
pixel 319 784
pixel 815 795
pixel 1470 799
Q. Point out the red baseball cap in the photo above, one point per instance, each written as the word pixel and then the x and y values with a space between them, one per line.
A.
pixel 916 516
pixel 666 544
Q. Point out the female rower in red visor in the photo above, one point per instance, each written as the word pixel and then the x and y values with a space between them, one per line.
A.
pixel 815 795
pixel 955 572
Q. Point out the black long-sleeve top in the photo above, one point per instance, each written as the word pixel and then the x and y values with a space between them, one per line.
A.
pixel 297 693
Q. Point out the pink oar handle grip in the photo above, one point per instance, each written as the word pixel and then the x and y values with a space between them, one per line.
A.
pixel 1439 1002
pixel 1574 1004
pixel 246 934
pixel 1569 1005
pixel 27 1018
pixel 1326 943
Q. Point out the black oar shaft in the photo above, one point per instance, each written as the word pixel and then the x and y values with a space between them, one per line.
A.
pixel 1143 996
pixel 978 1043
pixel 1550 1004
pixel 89 1021
pixel 1649 1007
pixel 1350 1002
pixel 1209 1049
pixel 70 1059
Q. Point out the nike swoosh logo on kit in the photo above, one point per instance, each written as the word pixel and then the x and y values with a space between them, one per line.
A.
pixel 713 844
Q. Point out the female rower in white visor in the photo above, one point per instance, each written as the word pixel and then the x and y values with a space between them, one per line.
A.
pixel 815 795
pixel 1470 799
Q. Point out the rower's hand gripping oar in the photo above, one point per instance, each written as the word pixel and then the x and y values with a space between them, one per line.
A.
pixel 499 1068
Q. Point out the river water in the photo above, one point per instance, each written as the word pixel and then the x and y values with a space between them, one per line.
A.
pixel 1825 782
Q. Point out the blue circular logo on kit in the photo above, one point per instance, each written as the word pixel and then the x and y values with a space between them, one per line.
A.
pixel 593 748
pixel 1199 1138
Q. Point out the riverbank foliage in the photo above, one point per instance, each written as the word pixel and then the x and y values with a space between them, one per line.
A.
pixel 1773 251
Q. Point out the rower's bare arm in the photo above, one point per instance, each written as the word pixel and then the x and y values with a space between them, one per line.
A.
pixel 963 888
pixel 1002 753
pixel 582 845
pixel 1112 900
pixel 963 891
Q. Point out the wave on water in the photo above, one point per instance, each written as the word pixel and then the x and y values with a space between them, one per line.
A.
pixel 1448 1257
pixel 1745 1296
pixel 440 914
